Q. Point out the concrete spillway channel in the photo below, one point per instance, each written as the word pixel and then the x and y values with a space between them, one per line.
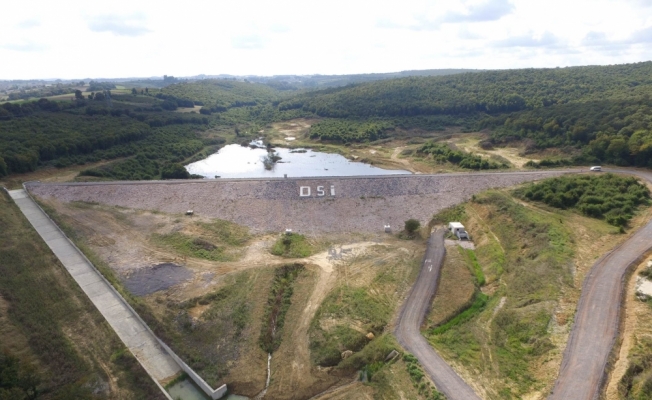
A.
pixel 158 360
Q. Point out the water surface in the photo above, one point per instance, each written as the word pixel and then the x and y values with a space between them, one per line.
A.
pixel 236 161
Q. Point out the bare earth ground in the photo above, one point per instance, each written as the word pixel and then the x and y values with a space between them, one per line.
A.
pixel 470 143
pixel 121 238
pixel 49 174
pixel 637 323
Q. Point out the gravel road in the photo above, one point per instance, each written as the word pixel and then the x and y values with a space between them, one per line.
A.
pixel 409 322
pixel 596 327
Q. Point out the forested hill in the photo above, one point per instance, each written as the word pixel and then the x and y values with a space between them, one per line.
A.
pixel 488 92
pixel 221 94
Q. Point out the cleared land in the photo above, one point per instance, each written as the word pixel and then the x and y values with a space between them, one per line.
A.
pixel 223 301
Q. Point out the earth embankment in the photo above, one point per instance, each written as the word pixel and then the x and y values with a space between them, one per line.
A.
pixel 309 205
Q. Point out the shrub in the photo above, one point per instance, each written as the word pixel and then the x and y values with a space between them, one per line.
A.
pixel 412 225
pixel 292 245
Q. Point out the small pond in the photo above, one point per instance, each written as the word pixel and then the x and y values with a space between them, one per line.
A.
pixel 236 161
pixel 187 390
pixel 148 280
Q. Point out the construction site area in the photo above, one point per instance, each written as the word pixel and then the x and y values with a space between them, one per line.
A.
pixel 297 288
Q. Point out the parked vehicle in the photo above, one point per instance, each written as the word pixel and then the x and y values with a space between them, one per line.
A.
pixel 596 169
pixel 462 235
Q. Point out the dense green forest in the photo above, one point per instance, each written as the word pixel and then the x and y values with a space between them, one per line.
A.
pixel 64 133
pixel 601 113
pixel 487 92
pixel 220 94
pixel 595 114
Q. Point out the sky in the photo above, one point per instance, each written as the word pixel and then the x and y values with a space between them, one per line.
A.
pixel 110 39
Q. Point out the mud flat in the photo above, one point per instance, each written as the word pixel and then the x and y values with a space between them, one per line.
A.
pixel 309 205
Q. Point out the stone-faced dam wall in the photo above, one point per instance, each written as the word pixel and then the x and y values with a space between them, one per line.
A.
pixel 306 205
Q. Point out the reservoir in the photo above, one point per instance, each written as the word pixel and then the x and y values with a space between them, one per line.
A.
pixel 236 161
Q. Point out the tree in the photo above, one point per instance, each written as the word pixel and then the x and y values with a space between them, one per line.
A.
pixel 78 95
pixel 411 225
pixel 169 105
pixel 134 91
pixel 3 167
pixel 174 171
pixel 99 96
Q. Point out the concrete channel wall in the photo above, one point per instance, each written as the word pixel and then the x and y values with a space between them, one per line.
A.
pixel 158 360
pixel 306 205
pixel 212 393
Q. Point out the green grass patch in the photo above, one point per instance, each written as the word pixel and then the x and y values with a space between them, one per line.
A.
pixel 292 245
pixel 214 243
pixel 479 303
pixel 476 269
pixel 346 303
pixel 278 303
pixel 227 232
pixel 191 246
pixel 636 383
pixel 417 375
pixel 531 253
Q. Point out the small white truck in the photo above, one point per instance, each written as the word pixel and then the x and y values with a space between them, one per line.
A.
pixel 458 230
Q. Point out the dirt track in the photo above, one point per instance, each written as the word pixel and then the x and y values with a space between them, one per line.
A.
pixel 596 327
pixel 408 331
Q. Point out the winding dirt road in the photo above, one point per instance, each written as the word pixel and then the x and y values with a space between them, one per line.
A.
pixel 409 322
pixel 596 326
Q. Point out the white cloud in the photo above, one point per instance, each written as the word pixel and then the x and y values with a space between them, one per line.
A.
pixel 247 42
pixel 491 10
pixel 125 25
pixel 298 37
pixel 24 47
pixel 28 24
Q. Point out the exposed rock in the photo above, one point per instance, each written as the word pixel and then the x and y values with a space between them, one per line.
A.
pixel 346 354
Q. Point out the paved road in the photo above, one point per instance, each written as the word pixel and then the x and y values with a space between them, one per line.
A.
pixel 414 310
pixel 595 329
pixel 122 319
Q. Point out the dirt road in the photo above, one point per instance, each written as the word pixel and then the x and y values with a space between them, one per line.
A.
pixel 414 310
pixel 595 330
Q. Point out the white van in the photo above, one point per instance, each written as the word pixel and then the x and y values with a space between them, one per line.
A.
pixel 595 169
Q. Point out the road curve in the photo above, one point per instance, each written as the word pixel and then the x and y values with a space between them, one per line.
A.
pixel 411 317
pixel 597 320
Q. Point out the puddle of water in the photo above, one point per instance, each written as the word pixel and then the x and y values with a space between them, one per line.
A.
pixel 159 277
pixel 236 161
pixel 187 390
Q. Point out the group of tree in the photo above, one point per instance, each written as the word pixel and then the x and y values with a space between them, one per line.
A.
pixel 442 153
pixel 97 86
pixel 62 133
pixel 610 197
pixel 218 95
pixel 349 130
pixel 491 92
